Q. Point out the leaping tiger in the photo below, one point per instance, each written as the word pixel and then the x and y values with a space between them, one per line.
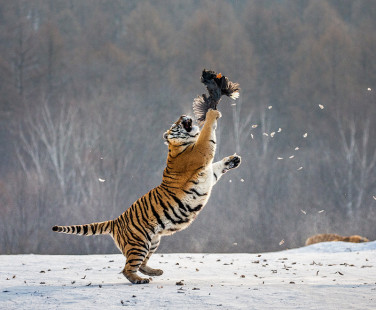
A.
pixel 186 185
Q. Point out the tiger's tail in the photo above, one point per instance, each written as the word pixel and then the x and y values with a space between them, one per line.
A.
pixel 101 228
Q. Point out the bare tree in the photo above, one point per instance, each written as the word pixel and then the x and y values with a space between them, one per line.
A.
pixel 353 168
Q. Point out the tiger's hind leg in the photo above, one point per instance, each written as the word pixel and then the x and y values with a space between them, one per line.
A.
pixel 146 269
pixel 134 256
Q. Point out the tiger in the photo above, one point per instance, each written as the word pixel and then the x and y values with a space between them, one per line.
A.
pixel 187 182
pixel 334 237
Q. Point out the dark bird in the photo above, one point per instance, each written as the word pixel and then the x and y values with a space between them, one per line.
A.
pixel 217 85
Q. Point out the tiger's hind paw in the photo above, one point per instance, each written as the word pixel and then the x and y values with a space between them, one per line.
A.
pixel 142 281
pixel 150 271
pixel 135 279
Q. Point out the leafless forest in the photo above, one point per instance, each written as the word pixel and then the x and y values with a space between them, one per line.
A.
pixel 88 88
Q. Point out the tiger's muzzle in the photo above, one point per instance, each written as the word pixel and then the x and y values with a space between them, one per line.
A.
pixel 186 121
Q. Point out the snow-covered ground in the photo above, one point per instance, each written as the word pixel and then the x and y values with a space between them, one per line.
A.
pixel 334 275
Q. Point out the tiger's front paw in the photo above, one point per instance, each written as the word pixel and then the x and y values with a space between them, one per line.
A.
pixel 232 162
pixel 213 114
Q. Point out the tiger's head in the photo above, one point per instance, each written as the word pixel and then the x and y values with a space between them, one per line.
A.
pixel 182 132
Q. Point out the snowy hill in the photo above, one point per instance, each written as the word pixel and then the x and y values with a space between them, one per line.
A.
pixel 332 275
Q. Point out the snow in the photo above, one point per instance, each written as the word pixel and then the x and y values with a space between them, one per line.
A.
pixel 331 275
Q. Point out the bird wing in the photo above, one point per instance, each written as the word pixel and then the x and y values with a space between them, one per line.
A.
pixel 201 105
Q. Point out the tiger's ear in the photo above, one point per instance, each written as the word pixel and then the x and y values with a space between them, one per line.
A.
pixel 165 138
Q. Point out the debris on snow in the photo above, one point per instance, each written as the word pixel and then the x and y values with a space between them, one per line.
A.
pixel 267 276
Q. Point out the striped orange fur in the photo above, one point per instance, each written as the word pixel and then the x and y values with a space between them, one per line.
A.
pixel 172 206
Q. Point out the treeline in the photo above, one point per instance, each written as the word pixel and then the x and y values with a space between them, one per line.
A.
pixel 88 88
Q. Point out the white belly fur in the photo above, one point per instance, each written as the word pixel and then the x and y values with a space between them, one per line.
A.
pixel 206 181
